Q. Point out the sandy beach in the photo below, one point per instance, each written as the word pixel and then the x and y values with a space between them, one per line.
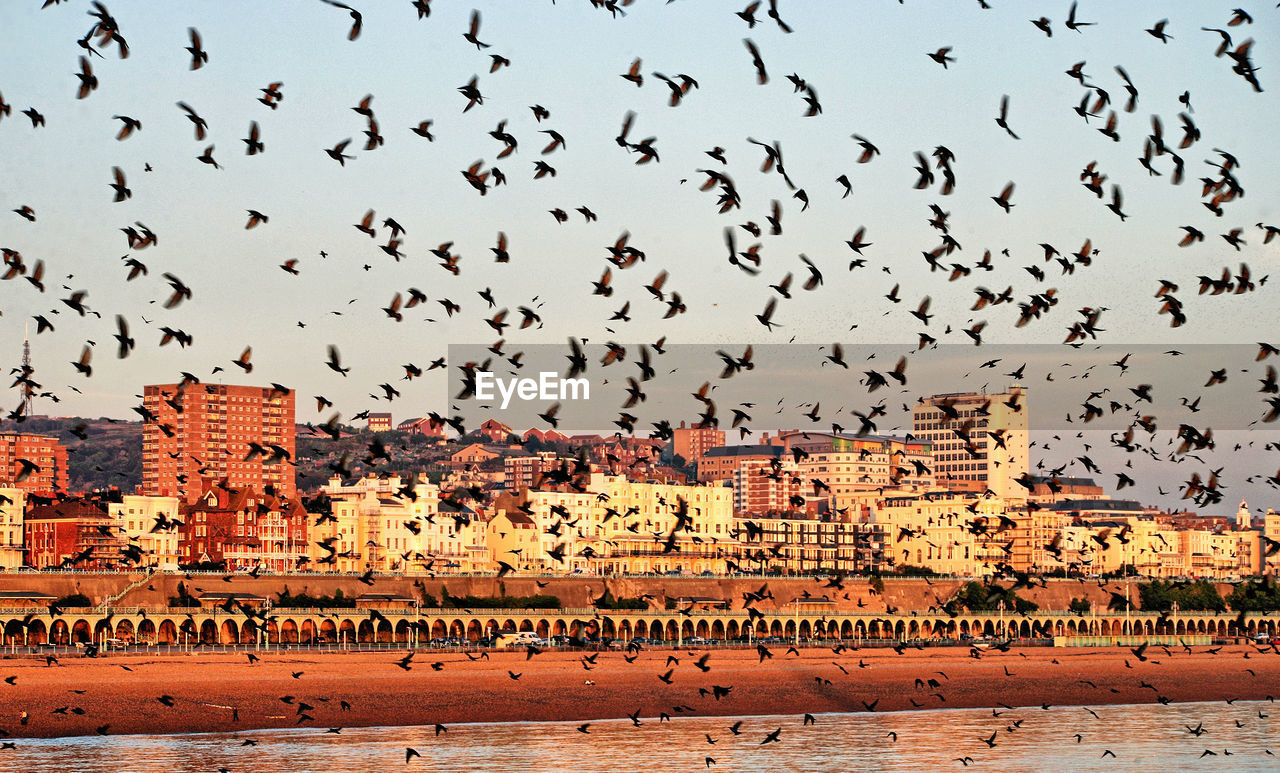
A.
pixel 224 692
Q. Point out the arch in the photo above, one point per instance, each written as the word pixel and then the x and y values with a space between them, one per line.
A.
pixel 543 630
pixel 248 632
pixel 36 633
pixel 686 629
pixel 328 631
pixel 308 631
pixel 899 630
pixel 402 631
pixel 624 630
pixel 289 632
pixel 347 632
pixel 80 631
pixel 671 632
pixel 641 630
pixel 384 633
pixel 59 632
pixel 438 629
pixel 365 632
pixel 988 628
pixel 1024 630
pixel 208 631
pixel 702 629
pixel 125 631
pixel 526 625
pixel 13 633
pixel 806 630
pixel 558 628
pixel 717 630
pixel 775 628
pixel 607 628
pixel 509 625
pixel 230 633
pixel 146 632
pixel 167 633
pixel 474 631
pixel 789 630
pixel 913 629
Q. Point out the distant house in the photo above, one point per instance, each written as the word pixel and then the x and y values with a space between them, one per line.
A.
pixel 422 426
pixel 545 436
pixel 496 431
pixel 380 422
pixel 472 454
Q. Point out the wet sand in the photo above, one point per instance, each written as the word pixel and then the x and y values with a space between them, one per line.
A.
pixel 221 692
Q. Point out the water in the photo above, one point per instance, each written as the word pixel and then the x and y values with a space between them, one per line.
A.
pixel 1142 737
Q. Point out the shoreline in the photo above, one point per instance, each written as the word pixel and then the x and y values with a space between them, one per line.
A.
pixel 223 692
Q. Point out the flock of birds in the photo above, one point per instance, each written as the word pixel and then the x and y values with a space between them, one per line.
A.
pixel 937 172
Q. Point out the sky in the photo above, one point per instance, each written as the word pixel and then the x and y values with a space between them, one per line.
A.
pixel 867 64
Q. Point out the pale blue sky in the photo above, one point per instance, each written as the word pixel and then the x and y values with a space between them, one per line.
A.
pixel 866 60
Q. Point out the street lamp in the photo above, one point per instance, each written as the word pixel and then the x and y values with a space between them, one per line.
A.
pixel 1175 618
pixel 1003 633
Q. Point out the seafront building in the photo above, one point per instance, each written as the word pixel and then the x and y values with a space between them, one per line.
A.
pixel 12 504
pixel 979 441
pixel 150 526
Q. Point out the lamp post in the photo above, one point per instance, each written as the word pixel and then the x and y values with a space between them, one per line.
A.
pixel 1003 634
pixel 1175 618
pixel 1127 605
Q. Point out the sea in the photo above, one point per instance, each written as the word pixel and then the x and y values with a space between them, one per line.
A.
pixel 1149 737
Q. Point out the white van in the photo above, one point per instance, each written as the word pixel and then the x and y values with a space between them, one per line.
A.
pixel 516 639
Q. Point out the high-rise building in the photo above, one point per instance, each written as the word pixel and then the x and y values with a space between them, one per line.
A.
pixel 692 442
pixel 979 440
pixel 217 432
pixel 36 464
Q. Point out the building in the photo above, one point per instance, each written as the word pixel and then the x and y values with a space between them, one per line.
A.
pixel 980 441
pixel 241 436
pixel 801 544
pixel 526 471
pixel 495 431
pixel 721 462
pixel 151 529
pixel 36 464
pixel 776 486
pixel 619 526
pixel 845 464
pixel 12 502
pixel 691 443
pixel 242 528
pixel 72 533
pixel 1048 489
pixel 390 525
pixel 380 422
pixel 423 426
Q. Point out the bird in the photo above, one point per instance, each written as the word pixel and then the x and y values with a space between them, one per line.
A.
pixel 199 57
pixel 473 30
pixel 941 56
pixel 119 186
pixel 336 152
